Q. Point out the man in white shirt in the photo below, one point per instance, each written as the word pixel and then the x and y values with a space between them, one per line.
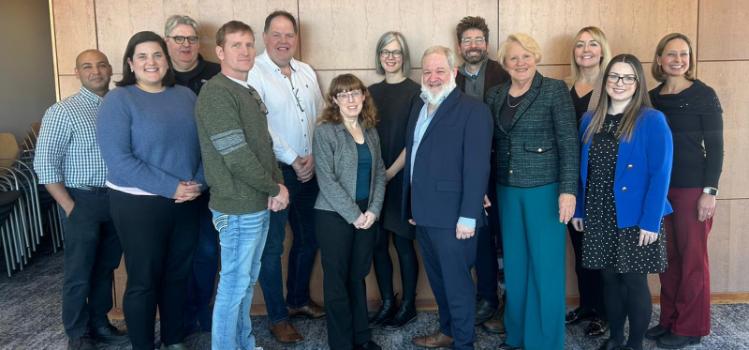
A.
pixel 291 92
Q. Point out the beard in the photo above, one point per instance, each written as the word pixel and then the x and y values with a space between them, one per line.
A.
pixel 437 98
pixel 475 59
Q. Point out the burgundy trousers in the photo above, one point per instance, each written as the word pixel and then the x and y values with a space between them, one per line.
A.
pixel 685 285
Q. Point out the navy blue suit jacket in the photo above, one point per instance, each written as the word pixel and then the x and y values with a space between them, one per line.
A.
pixel 451 168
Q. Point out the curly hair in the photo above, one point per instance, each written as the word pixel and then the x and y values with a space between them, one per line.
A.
pixel 343 83
pixel 470 22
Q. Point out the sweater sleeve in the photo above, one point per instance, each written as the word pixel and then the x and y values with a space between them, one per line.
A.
pixel 379 176
pixel 218 115
pixel 113 131
pixel 565 122
pixel 712 133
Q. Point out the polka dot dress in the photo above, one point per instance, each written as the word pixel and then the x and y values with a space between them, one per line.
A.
pixel 605 246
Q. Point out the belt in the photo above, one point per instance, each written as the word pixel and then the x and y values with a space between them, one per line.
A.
pixel 92 189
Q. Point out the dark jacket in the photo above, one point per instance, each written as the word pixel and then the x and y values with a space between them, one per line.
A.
pixel 200 75
pixel 541 145
pixel 643 170
pixel 494 75
pixel 451 168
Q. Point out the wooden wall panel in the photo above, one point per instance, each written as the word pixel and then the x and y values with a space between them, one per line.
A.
pixel 69 84
pixel 75 31
pixel 729 79
pixel 631 26
pixel 343 34
pixel 723 30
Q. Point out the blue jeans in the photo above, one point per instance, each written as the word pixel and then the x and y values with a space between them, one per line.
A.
pixel 242 238
pixel 300 215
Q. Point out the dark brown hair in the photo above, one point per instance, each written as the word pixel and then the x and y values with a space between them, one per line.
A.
pixel 656 69
pixel 229 28
pixel 470 22
pixel 128 76
pixel 342 83
pixel 280 13
pixel 632 112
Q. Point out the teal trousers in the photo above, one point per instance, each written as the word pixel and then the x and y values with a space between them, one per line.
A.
pixel 534 246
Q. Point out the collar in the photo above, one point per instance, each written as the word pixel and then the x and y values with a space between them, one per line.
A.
pixel 243 83
pixel 266 58
pixel 481 70
pixel 90 95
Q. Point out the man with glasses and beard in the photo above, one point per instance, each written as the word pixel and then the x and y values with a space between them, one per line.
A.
pixel 448 142
pixel 476 75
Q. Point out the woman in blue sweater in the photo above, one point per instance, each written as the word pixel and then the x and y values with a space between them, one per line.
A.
pixel 149 142
pixel 625 169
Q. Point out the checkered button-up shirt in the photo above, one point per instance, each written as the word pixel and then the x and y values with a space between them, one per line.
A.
pixel 67 151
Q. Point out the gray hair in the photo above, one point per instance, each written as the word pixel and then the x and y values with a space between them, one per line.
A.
pixel 385 40
pixel 443 51
pixel 175 20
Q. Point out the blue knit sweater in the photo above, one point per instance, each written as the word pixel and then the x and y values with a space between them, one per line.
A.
pixel 149 140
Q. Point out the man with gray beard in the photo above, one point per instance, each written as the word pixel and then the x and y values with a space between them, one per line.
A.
pixel 448 143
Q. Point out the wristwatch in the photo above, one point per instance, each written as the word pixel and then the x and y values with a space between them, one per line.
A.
pixel 710 190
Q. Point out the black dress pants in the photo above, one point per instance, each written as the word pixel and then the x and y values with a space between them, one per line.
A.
pixel 158 238
pixel 346 255
pixel 92 252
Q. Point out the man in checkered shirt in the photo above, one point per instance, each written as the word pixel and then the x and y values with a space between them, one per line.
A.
pixel 70 166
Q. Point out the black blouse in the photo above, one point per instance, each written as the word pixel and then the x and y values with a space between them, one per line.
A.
pixel 696 120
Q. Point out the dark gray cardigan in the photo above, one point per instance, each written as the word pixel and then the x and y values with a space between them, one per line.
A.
pixel 336 162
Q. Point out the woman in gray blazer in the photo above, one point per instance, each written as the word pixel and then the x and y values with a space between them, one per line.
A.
pixel 351 176
pixel 537 169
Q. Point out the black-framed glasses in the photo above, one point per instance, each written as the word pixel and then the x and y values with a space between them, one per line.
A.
pixel 394 53
pixel 626 79
pixel 179 39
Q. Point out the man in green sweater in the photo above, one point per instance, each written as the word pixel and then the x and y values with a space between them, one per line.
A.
pixel 244 178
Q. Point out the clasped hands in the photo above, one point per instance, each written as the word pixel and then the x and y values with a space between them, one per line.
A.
pixel 280 201
pixel 187 191
pixel 365 220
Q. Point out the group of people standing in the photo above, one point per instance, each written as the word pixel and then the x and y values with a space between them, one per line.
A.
pixel 483 157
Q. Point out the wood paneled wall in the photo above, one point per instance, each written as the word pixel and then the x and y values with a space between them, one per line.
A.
pixel 339 36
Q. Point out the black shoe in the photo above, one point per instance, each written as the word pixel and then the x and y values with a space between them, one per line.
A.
pixel 656 332
pixel 109 334
pixel 370 345
pixel 596 328
pixel 578 315
pixel 406 313
pixel 675 341
pixel 611 344
pixel 484 311
pixel 384 314
pixel 82 343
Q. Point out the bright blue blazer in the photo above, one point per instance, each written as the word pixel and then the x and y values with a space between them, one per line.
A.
pixel 643 172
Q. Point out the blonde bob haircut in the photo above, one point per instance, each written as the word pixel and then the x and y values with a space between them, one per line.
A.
pixel 598 36
pixel 656 69
pixel 525 41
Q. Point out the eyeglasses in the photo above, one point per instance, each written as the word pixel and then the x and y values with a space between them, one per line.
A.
pixel 476 41
pixel 179 39
pixel 349 95
pixel 626 79
pixel 394 53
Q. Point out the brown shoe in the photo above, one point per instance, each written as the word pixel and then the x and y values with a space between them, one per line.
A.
pixel 311 310
pixel 436 340
pixel 496 324
pixel 285 332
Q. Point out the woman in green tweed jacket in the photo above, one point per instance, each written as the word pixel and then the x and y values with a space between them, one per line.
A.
pixel 537 154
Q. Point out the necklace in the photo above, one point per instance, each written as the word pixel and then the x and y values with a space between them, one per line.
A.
pixel 517 104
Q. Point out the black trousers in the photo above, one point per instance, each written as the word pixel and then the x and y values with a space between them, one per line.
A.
pixel 627 297
pixel 383 265
pixel 92 252
pixel 589 282
pixel 158 238
pixel 346 255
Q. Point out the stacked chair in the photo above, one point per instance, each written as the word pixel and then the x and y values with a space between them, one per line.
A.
pixel 27 211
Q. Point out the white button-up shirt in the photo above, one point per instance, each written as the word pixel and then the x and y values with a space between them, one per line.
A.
pixel 293 105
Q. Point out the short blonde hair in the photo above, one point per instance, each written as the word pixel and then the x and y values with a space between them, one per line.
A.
pixel 525 41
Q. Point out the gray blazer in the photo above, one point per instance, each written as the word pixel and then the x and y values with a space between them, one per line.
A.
pixel 336 166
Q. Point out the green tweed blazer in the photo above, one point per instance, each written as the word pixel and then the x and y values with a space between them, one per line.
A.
pixel 541 145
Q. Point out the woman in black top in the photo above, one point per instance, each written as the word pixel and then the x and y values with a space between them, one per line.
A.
pixel 695 117
pixel 590 56
pixel 393 98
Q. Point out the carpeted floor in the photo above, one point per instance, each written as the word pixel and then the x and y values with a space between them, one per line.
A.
pixel 30 319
